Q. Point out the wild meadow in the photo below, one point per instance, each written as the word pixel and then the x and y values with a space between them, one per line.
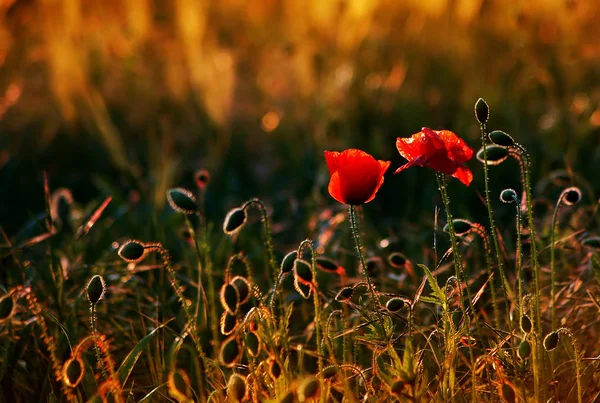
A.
pixel 299 201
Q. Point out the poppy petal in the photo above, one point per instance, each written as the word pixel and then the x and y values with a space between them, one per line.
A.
pixel 335 188
pixel 332 158
pixel 463 174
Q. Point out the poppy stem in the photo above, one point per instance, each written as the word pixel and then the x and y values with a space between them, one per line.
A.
pixel 441 179
pixel 268 237
pixel 355 234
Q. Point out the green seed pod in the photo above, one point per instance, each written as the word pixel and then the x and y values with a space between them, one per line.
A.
pixel 72 372
pixel 182 201
pixel 7 305
pixel 287 264
pixel 253 343
pixel 501 138
pixel 230 351
pixel 482 111
pixel 551 341
pixel 461 226
pixel 132 251
pixel 395 304
pixel 344 294
pixel 508 196
pixel 95 289
pixel 495 154
pixel 397 260
pixel 308 389
pixel 524 350
pixel 236 388
pixel 526 324
pixel 330 371
pixel 303 272
pixel 228 323
pixel 571 196
pixel 234 220
pixel 243 287
pixel 230 298
pixel 592 243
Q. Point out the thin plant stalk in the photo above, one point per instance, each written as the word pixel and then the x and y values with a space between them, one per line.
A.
pixel 211 301
pixel 552 253
pixel 96 346
pixel 356 236
pixel 458 273
pixel 268 237
pixel 480 230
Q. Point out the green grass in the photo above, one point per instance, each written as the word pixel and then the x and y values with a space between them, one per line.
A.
pixel 118 301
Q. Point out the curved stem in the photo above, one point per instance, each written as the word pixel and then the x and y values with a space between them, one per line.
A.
pixel 459 274
pixel 354 226
pixel 552 271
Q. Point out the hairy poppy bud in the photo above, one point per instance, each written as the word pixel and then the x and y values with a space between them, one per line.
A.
pixel 303 271
pixel 234 220
pixel 228 323
pixel 330 371
pixel 95 289
pixel 482 111
pixel 327 264
pixel 72 372
pixel 524 350
pixel 508 196
pixel 395 304
pixel 571 196
pixel 230 298
pixel 132 251
pixel 501 138
pixel 592 243
pixel 344 294
pixel 461 226
pixel 236 387
pixel 309 388
pixel 274 368
pixel 7 305
pixel 182 201
pixel 287 264
pixel 397 387
pixel 397 260
pixel 243 287
pixel 551 341
pixel 253 343
pixel 495 154
pixel 230 351
pixel 526 324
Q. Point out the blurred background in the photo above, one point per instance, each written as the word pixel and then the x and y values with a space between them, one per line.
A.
pixel 112 96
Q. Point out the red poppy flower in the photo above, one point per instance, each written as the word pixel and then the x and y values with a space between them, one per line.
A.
pixel 355 176
pixel 440 150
